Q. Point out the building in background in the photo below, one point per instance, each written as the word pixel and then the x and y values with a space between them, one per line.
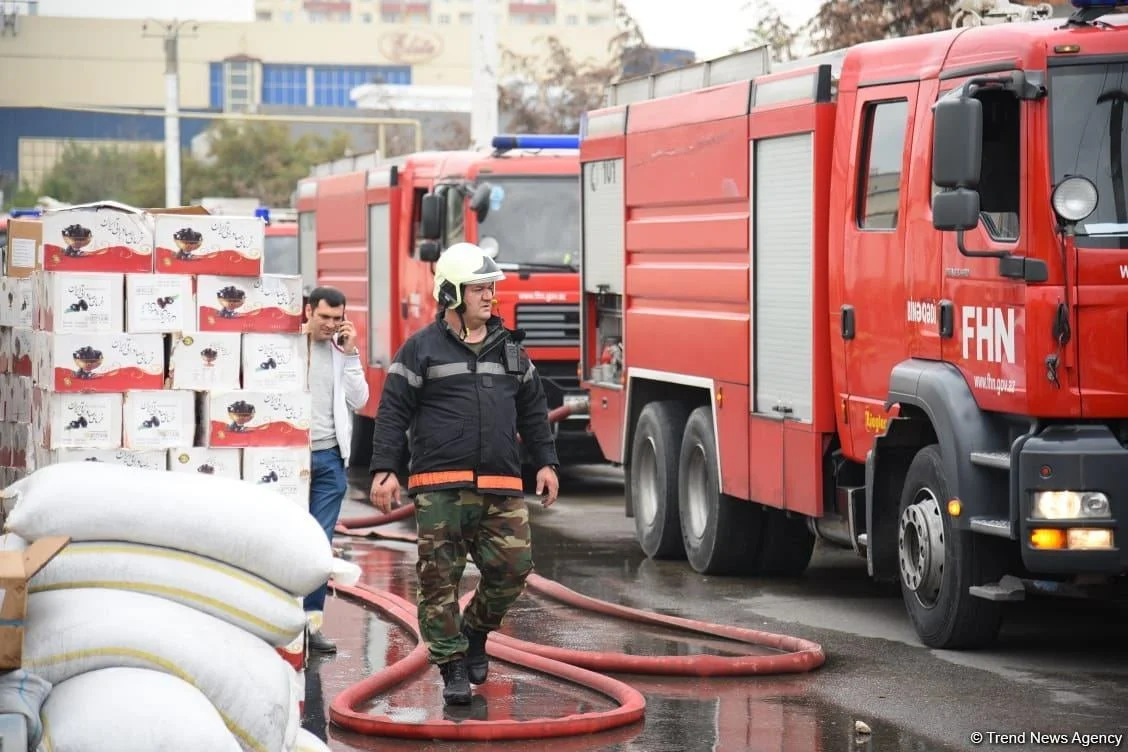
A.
pixel 90 80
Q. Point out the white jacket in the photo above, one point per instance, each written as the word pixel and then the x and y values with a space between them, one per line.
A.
pixel 350 393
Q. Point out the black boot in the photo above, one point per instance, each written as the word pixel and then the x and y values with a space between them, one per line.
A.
pixel 457 687
pixel 319 643
pixel 477 662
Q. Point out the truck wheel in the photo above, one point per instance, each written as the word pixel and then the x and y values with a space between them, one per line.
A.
pixel 938 563
pixel 787 544
pixel 653 478
pixel 721 534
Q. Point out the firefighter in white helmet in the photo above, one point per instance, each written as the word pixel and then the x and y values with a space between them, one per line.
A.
pixel 465 387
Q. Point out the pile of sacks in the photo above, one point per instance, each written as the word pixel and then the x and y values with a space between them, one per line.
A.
pixel 157 625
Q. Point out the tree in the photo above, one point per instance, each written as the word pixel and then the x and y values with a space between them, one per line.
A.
pixel 843 23
pixel 769 28
pixel 257 159
pixel 549 92
pixel 133 176
pixel 252 160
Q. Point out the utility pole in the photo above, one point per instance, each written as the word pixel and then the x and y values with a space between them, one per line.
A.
pixel 483 107
pixel 170 33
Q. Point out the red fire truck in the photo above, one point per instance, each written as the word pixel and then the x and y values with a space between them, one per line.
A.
pixel 875 297
pixel 376 233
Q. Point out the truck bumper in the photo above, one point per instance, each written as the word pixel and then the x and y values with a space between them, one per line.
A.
pixel 1082 459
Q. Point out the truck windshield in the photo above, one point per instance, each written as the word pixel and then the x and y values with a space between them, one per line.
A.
pixel 535 222
pixel 1088 129
pixel 280 255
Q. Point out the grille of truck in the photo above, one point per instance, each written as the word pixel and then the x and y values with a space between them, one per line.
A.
pixel 549 324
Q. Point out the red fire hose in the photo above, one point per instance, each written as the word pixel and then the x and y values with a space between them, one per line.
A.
pixel 576 666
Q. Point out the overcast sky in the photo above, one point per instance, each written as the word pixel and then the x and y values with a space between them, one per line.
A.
pixel 708 27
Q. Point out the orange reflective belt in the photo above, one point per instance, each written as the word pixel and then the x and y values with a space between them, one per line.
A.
pixel 439 478
pixel 506 482
pixel 442 477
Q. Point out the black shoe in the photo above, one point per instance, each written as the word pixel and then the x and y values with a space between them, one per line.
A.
pixel 457 687
pixel 319 643
pixel 477 662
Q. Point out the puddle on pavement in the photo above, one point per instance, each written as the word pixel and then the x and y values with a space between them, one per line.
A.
pixel 773 713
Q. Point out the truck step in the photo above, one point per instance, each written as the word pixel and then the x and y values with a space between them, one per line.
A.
pixel 997 460
pixel 998 528
pixel 1009 588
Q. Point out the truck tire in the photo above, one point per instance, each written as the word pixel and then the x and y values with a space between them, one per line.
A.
pixel 721 534
pixel 938 564
pixel 787 544
pixel 653 478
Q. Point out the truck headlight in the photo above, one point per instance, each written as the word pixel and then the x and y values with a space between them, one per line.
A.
pixel 1070 505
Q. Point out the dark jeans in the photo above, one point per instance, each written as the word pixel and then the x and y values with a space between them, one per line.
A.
pixel 327 486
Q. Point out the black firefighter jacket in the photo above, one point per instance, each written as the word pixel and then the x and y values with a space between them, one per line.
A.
pixel 464 412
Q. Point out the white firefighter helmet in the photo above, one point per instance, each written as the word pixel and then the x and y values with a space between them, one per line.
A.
pixel 462 264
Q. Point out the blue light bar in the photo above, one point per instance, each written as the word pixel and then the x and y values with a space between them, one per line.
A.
pixel 536 141
pixel 263 213
pixel 1095 4
pixel 17 213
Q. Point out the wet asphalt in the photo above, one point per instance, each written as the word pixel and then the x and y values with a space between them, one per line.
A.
pixel 1059 666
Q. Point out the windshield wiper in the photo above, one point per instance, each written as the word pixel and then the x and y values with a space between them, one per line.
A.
pixel 526 266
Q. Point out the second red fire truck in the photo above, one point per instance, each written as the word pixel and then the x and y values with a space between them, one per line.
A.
pixel 375 232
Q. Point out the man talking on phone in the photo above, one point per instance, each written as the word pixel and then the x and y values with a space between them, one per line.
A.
pixel 338 389
pixel 466 388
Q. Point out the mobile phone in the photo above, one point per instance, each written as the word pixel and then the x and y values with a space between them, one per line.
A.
pixel 338 339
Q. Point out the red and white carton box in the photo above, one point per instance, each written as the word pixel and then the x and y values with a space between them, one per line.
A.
pixel 147 460
pixel 159 303
pixel 70 302
pixel 158 419
pixel 258 419
pixel 226 463
pixel 19 399
pixel 102 237
pixel 207 244
pixel 282 469
pixel 205 361
pixel 22 351
pixel 17 302
pixel 268 303
pixel 23 441
pixel 87 421
pixel 7 441
pixel 100 362
pixel 275 362
pixel 5 349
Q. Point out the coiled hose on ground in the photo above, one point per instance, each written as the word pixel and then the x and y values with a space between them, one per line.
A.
pixel 577 666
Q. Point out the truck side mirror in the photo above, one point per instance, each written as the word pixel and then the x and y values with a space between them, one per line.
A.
pixel 429 251
pixel 480 201
pixel 957 142
pixel 955 210
pixel 431 217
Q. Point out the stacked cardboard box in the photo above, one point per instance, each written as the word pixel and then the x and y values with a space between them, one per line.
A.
pixel 154 339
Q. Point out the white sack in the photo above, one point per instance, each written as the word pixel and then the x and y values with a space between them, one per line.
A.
pixel 237 597
pixel 307 742
pixel 243 524
pixel 131 710
pixel 70 632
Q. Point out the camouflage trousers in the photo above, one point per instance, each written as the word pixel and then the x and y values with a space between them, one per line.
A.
pixel 494 531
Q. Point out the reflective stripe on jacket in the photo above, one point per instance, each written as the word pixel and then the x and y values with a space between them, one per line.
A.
pixel 464 410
